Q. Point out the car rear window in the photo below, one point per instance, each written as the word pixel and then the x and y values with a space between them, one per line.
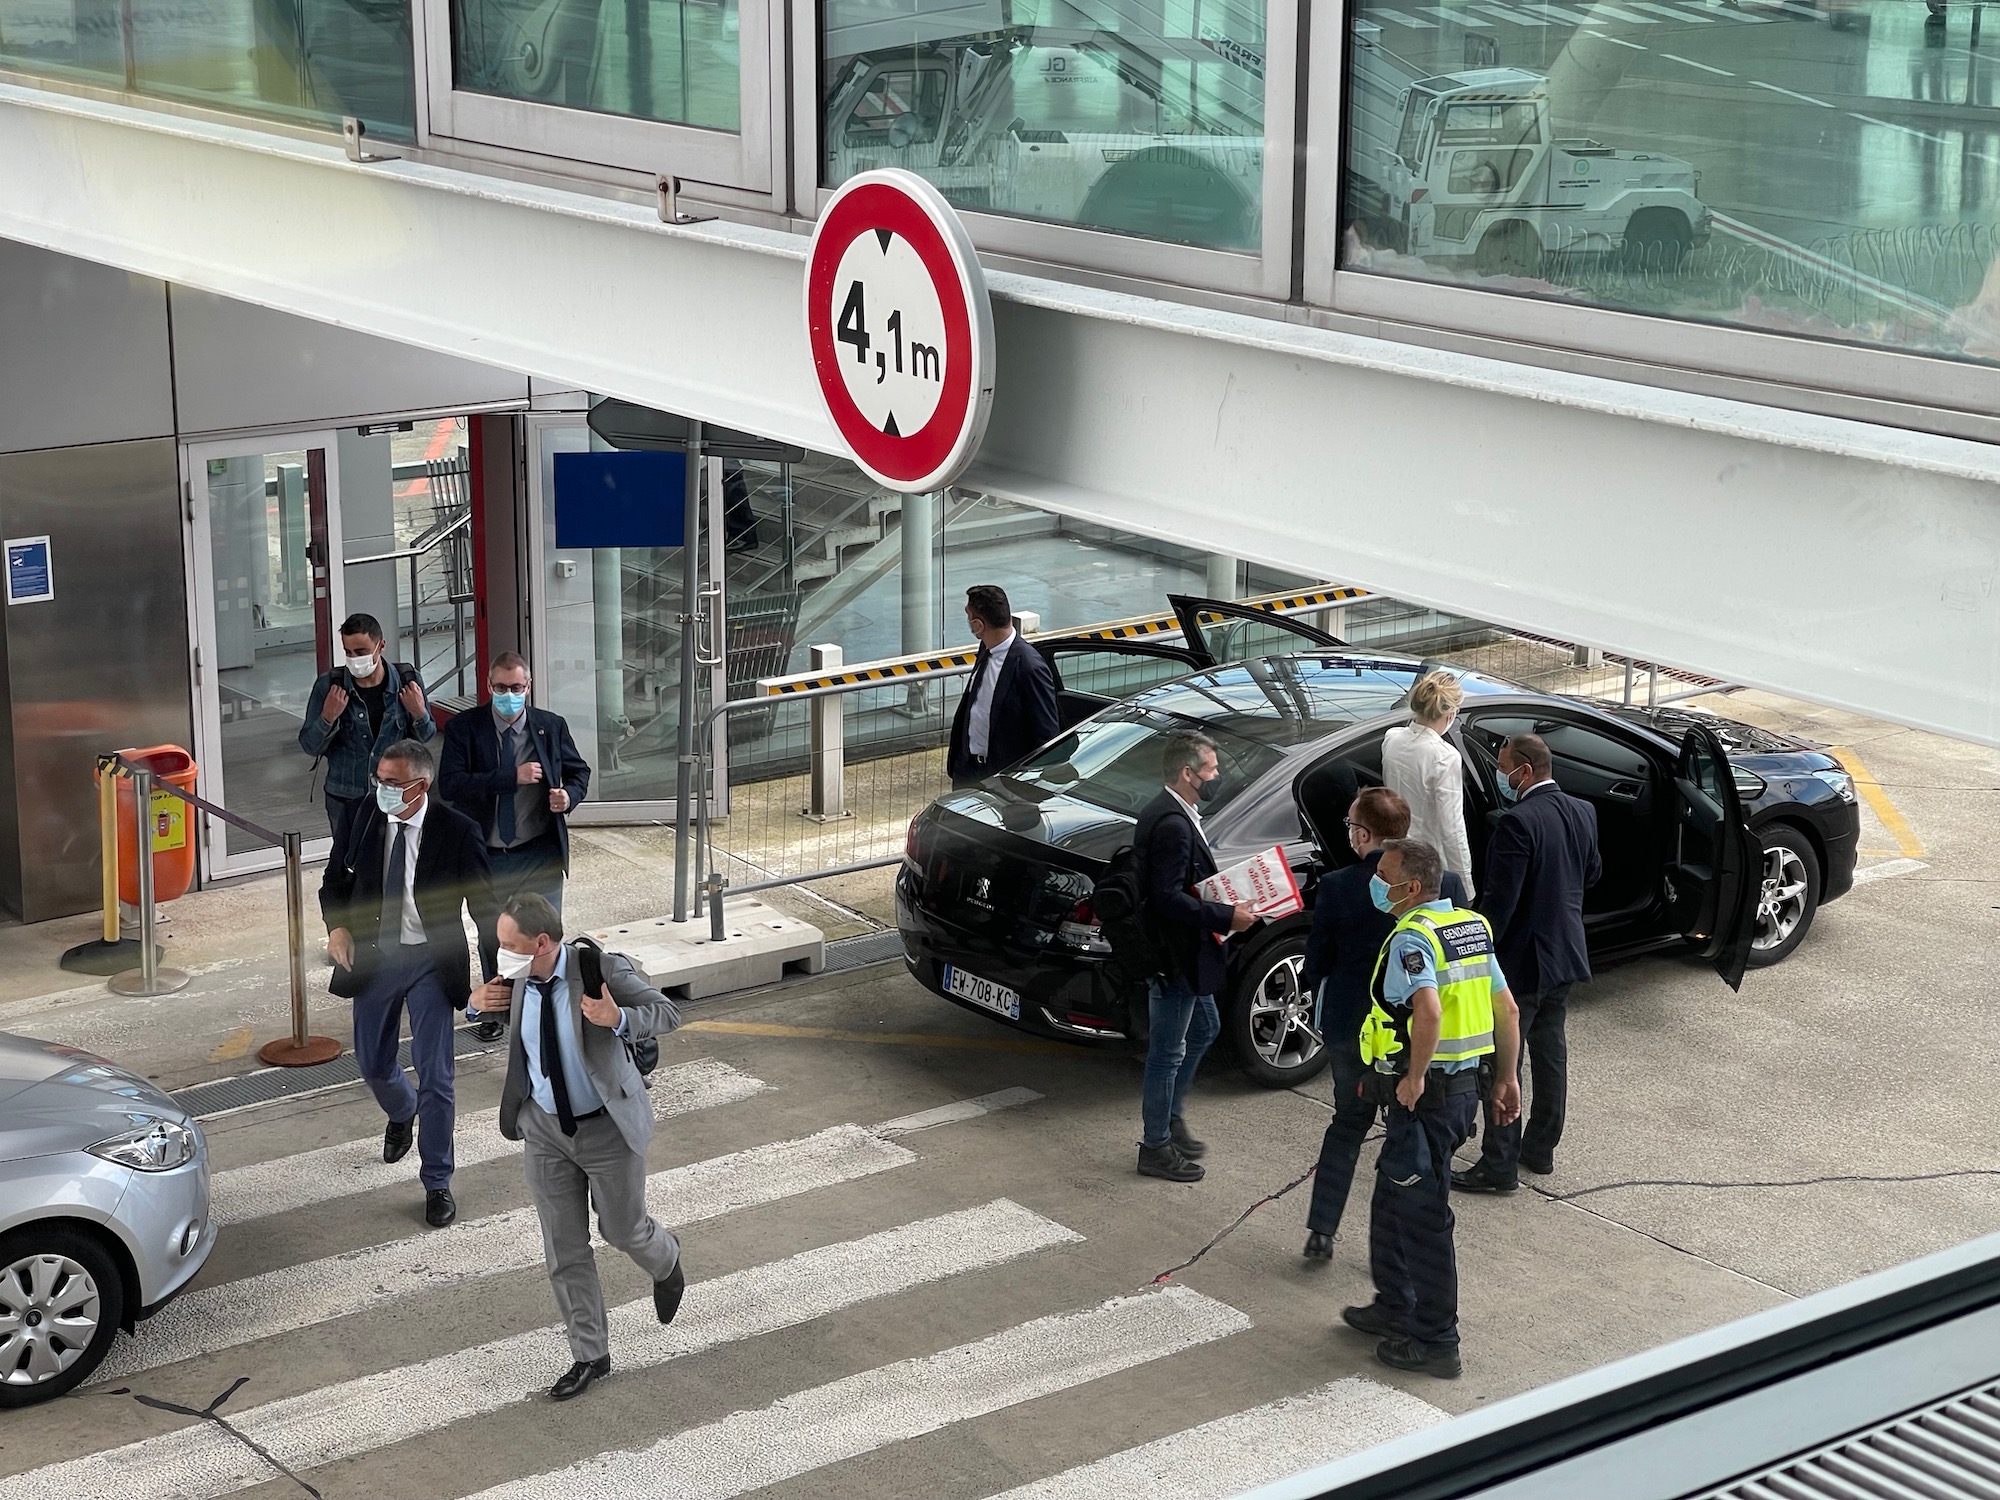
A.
pixel 1113 760
pixel 1285 700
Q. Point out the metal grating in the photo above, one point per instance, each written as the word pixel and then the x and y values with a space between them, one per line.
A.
pixel 859 952
pixel 1950 1451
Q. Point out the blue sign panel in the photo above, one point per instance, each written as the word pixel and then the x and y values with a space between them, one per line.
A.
pixel 30 578
pixel 630 499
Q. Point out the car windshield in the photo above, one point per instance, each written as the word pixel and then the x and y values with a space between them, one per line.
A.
pixel 1113 760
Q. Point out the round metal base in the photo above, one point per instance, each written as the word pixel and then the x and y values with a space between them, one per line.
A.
pixel 100 957
pixel 133 982
pixel 285 1053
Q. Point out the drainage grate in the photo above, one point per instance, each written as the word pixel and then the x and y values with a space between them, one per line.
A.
pixel 206 1100
pixel 859 952
pixel 1950 1451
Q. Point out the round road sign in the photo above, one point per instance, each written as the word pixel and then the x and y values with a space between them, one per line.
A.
pixel 901 331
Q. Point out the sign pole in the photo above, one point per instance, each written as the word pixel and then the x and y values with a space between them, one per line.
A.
pixel 684 780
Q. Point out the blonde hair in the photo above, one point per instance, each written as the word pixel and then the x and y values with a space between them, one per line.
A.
pixel 1436 695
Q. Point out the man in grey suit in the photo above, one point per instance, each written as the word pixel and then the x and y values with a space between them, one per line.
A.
pixel 575 1097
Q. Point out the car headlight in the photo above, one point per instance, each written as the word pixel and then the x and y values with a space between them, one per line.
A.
pixel 157 1146
pixel 1840 781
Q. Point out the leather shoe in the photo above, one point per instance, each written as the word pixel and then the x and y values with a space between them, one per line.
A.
pixel 1186 1144
pixel 440 1208
pixel 1167 1162
pixel 1541 1166
pixel 396 1139
pixel 1479 1179
pixel 1369 1318
pixel 1319 1246
pixel 667 1293
pixel 576 1380
pixel 1423 1359
pixel 490 1029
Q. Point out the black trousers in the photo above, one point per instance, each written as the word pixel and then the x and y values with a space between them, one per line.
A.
pixel 1543 1018
pixel 1340 1148
pixel 534 866
pixel 1410 1248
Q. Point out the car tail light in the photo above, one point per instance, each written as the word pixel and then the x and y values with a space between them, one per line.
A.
pixel 1090 1022
pixel 913 846
pixel 1080 929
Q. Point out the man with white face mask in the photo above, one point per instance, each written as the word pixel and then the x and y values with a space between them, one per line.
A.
pixel 574 1096
pixel 357 710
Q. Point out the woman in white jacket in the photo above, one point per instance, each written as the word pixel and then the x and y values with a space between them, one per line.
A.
pixel 1421 766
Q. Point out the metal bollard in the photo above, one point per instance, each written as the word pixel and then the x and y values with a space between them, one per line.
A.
pixel 297 1050
pixel 715 883
pixel 827 757
pixel 149 978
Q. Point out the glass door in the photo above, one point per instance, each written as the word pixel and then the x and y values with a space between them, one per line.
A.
pixel 261 529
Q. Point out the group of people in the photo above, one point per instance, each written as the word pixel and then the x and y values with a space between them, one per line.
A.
pixel 480 825
pixel 1428 988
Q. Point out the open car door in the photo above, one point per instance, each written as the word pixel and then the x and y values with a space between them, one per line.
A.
pixel 1093 672
pixel 1716 863
pixel 1225 632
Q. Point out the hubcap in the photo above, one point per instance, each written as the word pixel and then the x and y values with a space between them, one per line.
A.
pixel 1781 904
pixel 49 1313
pixel 1281 1016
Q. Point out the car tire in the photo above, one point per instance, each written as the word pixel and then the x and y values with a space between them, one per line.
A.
pixel 1511 248
pixel 1790 899
pixel 1268 1019
pixel 47 1273
pixel 1658 240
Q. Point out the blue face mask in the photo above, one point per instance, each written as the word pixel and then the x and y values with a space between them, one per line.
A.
pixel 389 798
pixel 509 705
pixel 1507 791
pixel 1378 892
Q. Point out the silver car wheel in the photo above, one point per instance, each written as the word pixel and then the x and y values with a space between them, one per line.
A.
pixel 1281 1015
pixel 1781 905
pixel 49 1314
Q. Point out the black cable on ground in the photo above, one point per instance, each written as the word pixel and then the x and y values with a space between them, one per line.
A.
pixel 1606 1187
pixel 1234 1225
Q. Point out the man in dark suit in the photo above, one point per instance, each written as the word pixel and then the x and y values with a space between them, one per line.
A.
pixel 1348 931
pixel 515 771
pixel 1009 707
pixel 1188 933
pixel 403 866
pixel 1540 860
pixel 575 1097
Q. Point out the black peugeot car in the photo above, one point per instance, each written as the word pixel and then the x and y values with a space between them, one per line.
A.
pixel 1714 834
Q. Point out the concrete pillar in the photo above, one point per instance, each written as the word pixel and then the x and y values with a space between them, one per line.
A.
pixel 607 589
pixel 1224 580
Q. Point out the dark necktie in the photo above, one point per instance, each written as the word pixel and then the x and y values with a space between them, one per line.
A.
pixel 392 887
pixel 552 1067
pixel 503 821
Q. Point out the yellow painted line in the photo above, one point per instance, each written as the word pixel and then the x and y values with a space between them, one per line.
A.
pixel 1907 842
pixel 889 1038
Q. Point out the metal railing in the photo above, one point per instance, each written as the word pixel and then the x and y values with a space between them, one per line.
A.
pixel 446 546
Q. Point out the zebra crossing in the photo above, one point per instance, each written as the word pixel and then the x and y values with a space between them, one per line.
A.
pixel 795 1432
pixel 1478 15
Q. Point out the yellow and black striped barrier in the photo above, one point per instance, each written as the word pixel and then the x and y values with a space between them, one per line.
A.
pixel 1119 630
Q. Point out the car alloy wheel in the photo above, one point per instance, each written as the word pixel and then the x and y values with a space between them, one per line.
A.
pixel 1281 1016
pixel 50 1314
pixel 1786 894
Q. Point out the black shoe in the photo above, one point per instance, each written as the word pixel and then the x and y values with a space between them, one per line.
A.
pixel 576 1380
pixel 490 1029
pixel 1166 1161
pixel 396 1139
pixel 1541 1166
pixel 1369 1318
pixel 1319 1246
pixel 440 1208
pixel 1408 1354
pixel 667 1294
pixel 1480 1179
pixel 1186 1144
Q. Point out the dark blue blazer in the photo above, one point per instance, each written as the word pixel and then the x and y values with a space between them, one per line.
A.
pixel 471 778
pixel 1175 858
pixel 1540 860
pixel 1347 937
pixel 1023 718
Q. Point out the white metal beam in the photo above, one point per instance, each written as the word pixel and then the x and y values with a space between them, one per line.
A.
pixel 1841 562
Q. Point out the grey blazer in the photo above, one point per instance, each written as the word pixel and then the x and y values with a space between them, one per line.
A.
pixel 612 1072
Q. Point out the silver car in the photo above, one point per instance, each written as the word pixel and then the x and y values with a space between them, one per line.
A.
pixel 103 1211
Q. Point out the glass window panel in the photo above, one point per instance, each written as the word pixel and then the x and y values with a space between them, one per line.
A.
pixel 675 61
pixel 1144 118
pixel 78 38
pixel 1823 167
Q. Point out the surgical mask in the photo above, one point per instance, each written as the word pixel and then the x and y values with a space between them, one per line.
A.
pixel 389 798
pixel 362 666
pixel 1378 892
pixel 513 965
pixel 1208 791
pixel 509 705
pixel 1508 791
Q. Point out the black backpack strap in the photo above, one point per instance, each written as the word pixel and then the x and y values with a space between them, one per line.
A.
pixel 590 966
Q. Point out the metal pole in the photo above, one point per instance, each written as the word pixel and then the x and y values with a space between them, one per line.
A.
pixel 684 731
pixel 299 1049
pixel 107 844
pixel 1652 683
pixel 1628 682
pixel 149 978
pixel 827 758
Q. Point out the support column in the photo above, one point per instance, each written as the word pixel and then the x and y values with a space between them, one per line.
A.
pixel 920 603
pixel 607 587
pixel 1223 574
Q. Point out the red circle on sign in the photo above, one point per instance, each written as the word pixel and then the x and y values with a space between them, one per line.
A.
pixel 907 459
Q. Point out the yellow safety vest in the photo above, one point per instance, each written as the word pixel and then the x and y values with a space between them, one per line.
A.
pixel 1462 950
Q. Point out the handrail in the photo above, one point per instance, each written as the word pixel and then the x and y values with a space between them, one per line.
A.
pixel 409 552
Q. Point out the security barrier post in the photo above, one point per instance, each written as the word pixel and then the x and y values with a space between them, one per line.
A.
pixel 828 755
pixel 149 978
pixel 297 1050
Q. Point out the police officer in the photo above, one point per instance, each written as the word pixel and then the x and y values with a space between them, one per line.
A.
pixel 1442 1018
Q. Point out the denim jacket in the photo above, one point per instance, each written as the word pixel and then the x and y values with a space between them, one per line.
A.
pixel 343 744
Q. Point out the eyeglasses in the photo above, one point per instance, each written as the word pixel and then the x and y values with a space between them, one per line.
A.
pixel 508 687
pixel 397 786
pixel 1354 827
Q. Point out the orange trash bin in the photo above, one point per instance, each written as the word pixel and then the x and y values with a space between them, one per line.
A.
pixel 172 830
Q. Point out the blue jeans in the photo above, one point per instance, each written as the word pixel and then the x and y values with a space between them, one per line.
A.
pixel 405 977
pixel 1182 1025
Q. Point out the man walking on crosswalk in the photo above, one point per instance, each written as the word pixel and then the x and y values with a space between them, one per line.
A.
pixel 575 1097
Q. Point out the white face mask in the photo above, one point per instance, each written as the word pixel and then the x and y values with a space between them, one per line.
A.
pixel 362 666
pixel 513 965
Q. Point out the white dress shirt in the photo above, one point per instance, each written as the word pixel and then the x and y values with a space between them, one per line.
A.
pixel 978 728
pixel 583 1095
pixel 413 837
pixel 1426 772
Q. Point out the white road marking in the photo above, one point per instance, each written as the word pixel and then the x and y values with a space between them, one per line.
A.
pixel 952 1114
pixel 1619 41
pixel 1415 23
pixel 359 1416
pixel 1758 83
pixel 1690 62
pixel 1235 1453
pixel 288 1182
pixel 1518 17
pixel 1886 125
pixel 1683 14
pixel 1889 868
pixel 892 1404
pixel 294 1297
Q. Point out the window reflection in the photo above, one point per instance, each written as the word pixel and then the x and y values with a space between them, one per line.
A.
pixel 1143 119
pixel 1826 167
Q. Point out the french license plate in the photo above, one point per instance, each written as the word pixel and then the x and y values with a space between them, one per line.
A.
pixel 982 992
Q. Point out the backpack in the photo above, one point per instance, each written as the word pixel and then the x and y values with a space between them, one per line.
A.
pixel 590 969
pixel 1119 904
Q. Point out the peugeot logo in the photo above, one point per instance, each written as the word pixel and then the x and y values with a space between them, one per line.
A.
pixel 981 889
